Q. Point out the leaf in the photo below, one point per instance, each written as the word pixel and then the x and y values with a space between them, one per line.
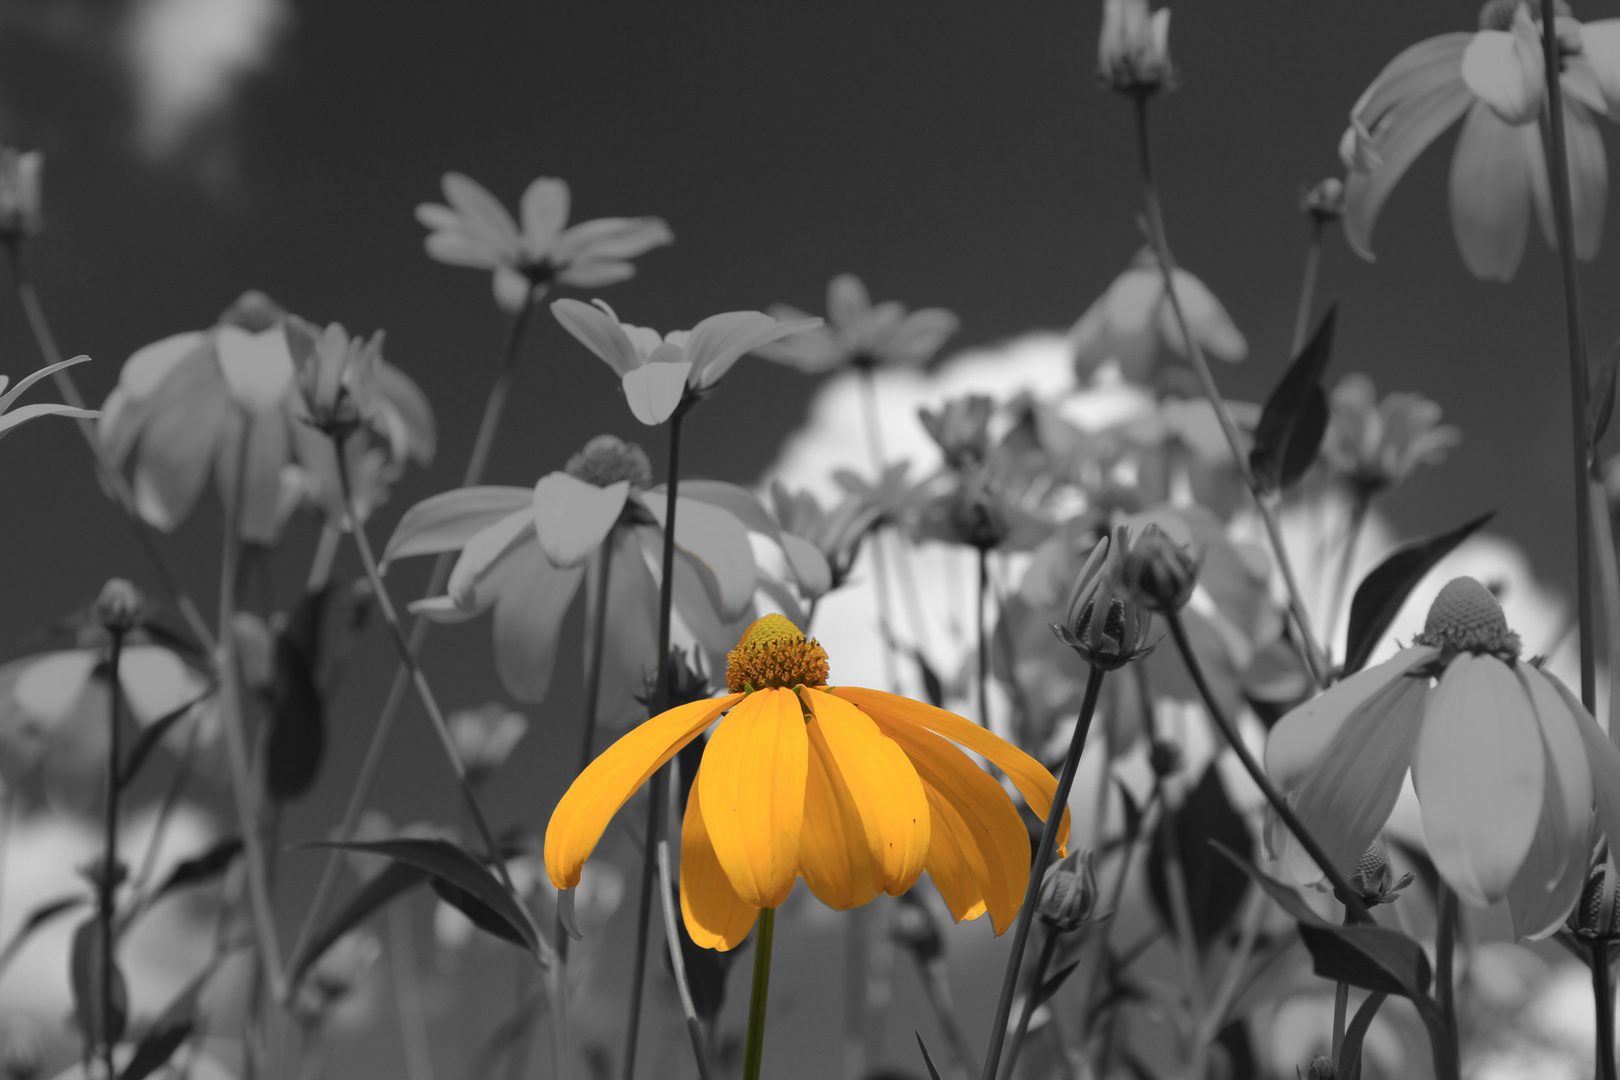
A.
pixel 1295 415
pixel 198 869
pixel 149 737
pixel 932 686
pixel 446 862
pixel 933 1072
pixel 1349 1063
pixel 297 740
pixel 1600 399
pixel 85 976
pixel 1381 593
pixel 41 916
pixel 1044 992
pixel 478 913
pixel 168 1033
pixel 1215 888
pixel 376 892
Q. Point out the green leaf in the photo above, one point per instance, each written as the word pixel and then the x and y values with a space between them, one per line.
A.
pixel 1348 1066
pixel 297 740
pixel 85 976
pixel 1214 887
pixel 168 1033
pixel 44 914
pixel 1600 400
pixel 1295 415
pixel 378 890
pixel 1381 593
pixel 194 871
pixel 1052 985
pixel 149 737
pixel 933 1072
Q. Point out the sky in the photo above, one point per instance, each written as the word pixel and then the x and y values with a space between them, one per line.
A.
pixel 951 153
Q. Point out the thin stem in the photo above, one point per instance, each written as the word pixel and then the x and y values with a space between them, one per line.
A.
pixel 1043 960
pixel 984 639
pixel 1564 219
pixel 937 985
pixel 1258 775
pixel 656 790
pixel 874 424
pixel 107 892
pixel 672 938
pixel 111 479
pixel 369 765
pixel 413 1023
pixel 1341 1009
pixel 1175 887
pixel 754 1046
pixel 1309 648
pixel 1307 288
pixel 593 692
pixel 165 815
pixel 1037 871
pixel 1347 558
pixel 1445 946
pixel 1603 1003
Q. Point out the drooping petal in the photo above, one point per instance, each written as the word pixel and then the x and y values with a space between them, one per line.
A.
pixel 544 209
pixel 1480 775
pixel 1119 326
pixel 1601 755
pixel 52 684
pixel 955 864
pixel 753 779
pixel 1588 178
pixel 654 390
pixel 258 367
pixel 482 552
pixel 156 681
pixel 446 522
pixel 532 595
pixel 482 216
pixel 715 916
pixel 720 341
pixel 1347 798
pixel 1600 45
pixel 847 301
pixel 1504 69
pixel 572 517
pixel 608 782
pixel 1211 326
pixel 598 329
pixel 512 289
pixel 741 503
pixel 833 854
pixel 718 540
pixel 1297 741
pixel 269 451
pixel 698 605
pixel 150 365
pixel 1034 783
pixel 1492 179
pixel 809 566
pixel 611 239
pixel 18 417
pixel 632 627
pixel 884 785
pixel 177 448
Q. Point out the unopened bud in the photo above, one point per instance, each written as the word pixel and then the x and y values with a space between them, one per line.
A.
pixel 1068 896
pixel 1133 50
pixel 1587 919
pixel 1324 202
pixel 254 312
pixel 961 427
pixel 120 607
pixel 916 930
pixel 1373 880
pixel 1320 1068
pixel 1160 572
pixel 1103 622
pixel 608 459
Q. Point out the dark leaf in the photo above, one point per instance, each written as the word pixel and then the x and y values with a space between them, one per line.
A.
pixel 168 1033
pixel 1422 866
pixel 932 686
pixel 478 913
pixel 1381 593
pixel 1600 402
pixel 1044 992
pixel 1215 888
pixel 149 737
pixel 194 871
pixel 85 971
pixel 297 740
pixel 1133 820
pixel 394 880
pixel 1306 440
pixel 1289 422
pixel 447 862
pixel 933 1073
pixel 305 626
pixel 1234 1040
pixel 1349 1063
pixel 42 915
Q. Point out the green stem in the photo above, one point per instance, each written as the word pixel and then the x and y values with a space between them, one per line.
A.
pixel 1564 219
pixel 1341 1010
pixel 107 892
pixel 593 691
pixel 1258 775
pixel 361 792
pixel 937 985
pixel 659 786
pixel 984 639
pixel 1043 960
pixel 672 938
pixel 1445 947
pixel 754 1047
pixel 1307 288
pixel 1603 1003
pixel 408 1001
pixel 1037 871
pixel 1309 649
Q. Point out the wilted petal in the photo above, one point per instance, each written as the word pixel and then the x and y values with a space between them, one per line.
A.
pixel 150 365
pixel 1492 176
pixel 1504 69
pixel 655 390
pixel 531 598
pixel 573 517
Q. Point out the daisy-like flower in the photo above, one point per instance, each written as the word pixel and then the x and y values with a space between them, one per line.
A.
pixel 475 230
pixel 1373 445
pixel 662 373
pixel 820 543
pixel 862 334
pixel 1133 324
pixel 1494 81
pixel 20 215
pixel 1506 763
pixel 857 791
pixel 181 406
pixel 526 553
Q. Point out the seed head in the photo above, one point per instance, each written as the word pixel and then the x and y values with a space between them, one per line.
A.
pixel 1587 918
pixel 607 459
pixel 1465 617
pixel 774 653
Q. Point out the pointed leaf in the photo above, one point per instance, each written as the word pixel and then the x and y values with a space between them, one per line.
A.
pixel 1306 441
pixel 168 1033
pixel 1044 992
pixel 194 871
pixel 478 913
pixel 1215 888
pixel 390 883
pixel 1381 593
pixel 149 737
pixel 933 1072
pixel 297 736
pixel 41 916
pixel 1349 1063
pixel 1290 403
pixel 85 976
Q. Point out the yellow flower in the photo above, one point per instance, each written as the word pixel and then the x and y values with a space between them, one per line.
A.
pixel 856 791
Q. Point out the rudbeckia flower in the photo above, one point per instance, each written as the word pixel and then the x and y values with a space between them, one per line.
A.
pixel 861 334
pixel 1132 323
pixel 1493 80
pixel 1506 763
pixel 526 552
pixel 181 404
pixel 1373 445
pixel 475 230
pixel 662 373
pixel 856 791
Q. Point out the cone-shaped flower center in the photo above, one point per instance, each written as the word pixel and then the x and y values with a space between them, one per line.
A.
pixel 774 653
pixel 1465 617
pixel 608 459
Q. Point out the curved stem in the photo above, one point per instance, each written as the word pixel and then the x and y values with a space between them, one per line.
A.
pixel 380 734
pixel 659 786
pixel 1603 1003
pixel 754 1046
pixel 1564 219
pixel 1309 649
pixel 1278 803
pixel 1043 960
pixel 1037 871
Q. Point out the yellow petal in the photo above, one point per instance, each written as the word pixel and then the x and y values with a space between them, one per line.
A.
pixel 833 856
pixel 608 782
pixel 885 787
pixel 984 822
pixel 954 862
pixel 753 793
pixel 716 917
pixel 1033 782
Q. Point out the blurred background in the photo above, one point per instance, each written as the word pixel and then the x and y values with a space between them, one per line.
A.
pixel 951 153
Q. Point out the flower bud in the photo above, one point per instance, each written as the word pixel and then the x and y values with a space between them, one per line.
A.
pixel 120 607
pixel 1068 896
pixel 1373 880
pixel 1324 202
pixel 1133 50
pixel 1320 1068
pixel 485 737
pixel 961 427
pixel 1160 572
pixel 1587 919
pixel 1102 622
pixel 19 194
pixel 337 375
pixel 916 930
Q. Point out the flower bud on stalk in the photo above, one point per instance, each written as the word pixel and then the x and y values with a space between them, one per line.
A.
pixel 1373 880
pixel 1320 1068
pixel 337 375
pixel 1160 572
pixel 1324 203
pixel 1133 50
pixel 120 607
pixel 1068 895
pixel 1102 622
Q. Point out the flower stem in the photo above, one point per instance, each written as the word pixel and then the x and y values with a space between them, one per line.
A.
pixel 107 890
pixel 1341 1010
pixel 672 938
pixel 408 1001
pixel 1309 649
pixel 1307 288
pixel 112 480
pixel 1564 219
pixel 984 639
pixel 1603 1003
pixel 369 765
pixel 1278 803
pixel 1445 948
pixel 657 789
pixel 754 1047
pixel 1037 871
pixel 1043 960
pixel 937 985
pixel 1347 558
